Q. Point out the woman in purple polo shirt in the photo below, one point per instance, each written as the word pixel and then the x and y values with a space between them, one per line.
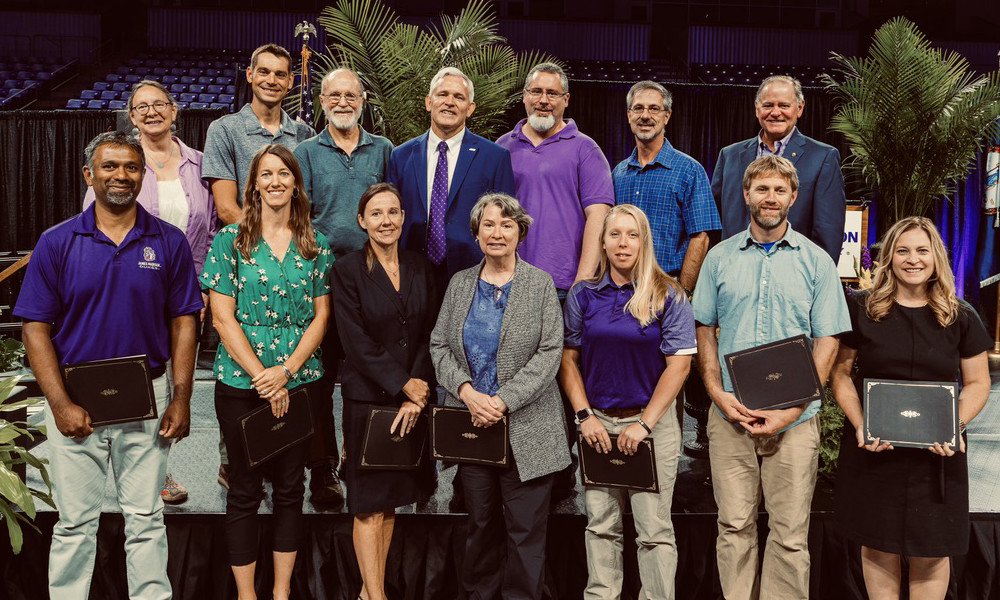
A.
pixel 172 189
pixel 628 346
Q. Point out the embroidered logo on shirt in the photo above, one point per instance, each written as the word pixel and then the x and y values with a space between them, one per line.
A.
pixel 149 259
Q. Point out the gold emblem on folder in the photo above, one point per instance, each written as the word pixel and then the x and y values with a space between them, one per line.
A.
pixel 109 392
pixel 774 376
pixel 278 425
pixel 910 414
pixel 617 462
pixel 469 435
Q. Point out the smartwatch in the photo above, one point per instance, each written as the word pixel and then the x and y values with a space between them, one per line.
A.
pixel 583 414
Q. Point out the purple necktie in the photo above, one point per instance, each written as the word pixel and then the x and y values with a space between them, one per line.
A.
pixel 439 203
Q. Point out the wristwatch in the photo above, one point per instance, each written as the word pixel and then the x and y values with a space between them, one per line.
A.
pixel 583 414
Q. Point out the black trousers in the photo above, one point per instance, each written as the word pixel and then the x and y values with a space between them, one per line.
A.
pixel 323 447
pixel 245 492
pixel 505 548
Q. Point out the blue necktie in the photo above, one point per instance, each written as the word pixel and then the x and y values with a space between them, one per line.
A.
pixel 439 203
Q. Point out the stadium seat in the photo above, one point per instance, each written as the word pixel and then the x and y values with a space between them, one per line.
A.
pixel 215 89
pixel 196 88
pixel 88 94
pixel 188 97
pixel 178 71
pixel 12 84
pixel 109 95
pixel 132 78
pixel 207 98
pixel 198 105
pixel 112 77
pixel 74 103
pixel 169 79
pixel 188 79
pixel 219 106
pixel 117 104
pixel 231 89
pixel 121 86
pixel 224 80
pixel 226 98
pixel 100 86
pixel 160 71
pixel 97 104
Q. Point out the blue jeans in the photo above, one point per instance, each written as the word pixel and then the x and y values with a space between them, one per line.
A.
pixel 79 469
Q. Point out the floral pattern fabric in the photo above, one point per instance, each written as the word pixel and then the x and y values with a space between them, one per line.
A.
pixel 274 301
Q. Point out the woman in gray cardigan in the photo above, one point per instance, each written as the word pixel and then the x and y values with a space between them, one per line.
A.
pixel 496 350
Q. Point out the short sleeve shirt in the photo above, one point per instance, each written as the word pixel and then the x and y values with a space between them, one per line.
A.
pixel 109 301
pixel 335 181
pixel 555 181
pixel 621 360
pixel 674 192
pixel 758 296
pixel 232 141
pixel 274 301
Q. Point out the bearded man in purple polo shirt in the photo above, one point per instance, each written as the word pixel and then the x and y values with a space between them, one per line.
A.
pixel 563 180
pixel 111 282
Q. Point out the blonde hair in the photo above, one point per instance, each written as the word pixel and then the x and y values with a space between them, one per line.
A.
pixel 940 287
pixel 652 286
pixel 299 221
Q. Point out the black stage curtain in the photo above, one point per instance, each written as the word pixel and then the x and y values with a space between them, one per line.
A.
pixel 41 155
pixel 426 556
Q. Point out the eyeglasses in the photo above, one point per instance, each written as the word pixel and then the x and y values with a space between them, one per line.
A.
pixel 536 93
pixel 159 106
pixel 654 111
pixel 335 97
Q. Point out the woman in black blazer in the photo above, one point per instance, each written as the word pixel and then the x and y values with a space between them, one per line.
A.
pixel 383 299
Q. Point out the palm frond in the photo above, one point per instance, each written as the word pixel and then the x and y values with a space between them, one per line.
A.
pixel 913 117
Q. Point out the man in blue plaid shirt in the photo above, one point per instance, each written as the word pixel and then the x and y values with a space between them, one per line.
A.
pixel 669 186
pixel 674 192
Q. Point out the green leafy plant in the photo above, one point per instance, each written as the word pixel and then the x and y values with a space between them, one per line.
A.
pixel 913 116
pixel 396 62
pixel 17 503
pixel 11 351
pixel 831 424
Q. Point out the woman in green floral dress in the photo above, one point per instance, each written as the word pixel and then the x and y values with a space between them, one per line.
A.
pixel 267 277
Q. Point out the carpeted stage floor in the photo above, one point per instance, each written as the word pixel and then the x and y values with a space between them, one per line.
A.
pixel 428 542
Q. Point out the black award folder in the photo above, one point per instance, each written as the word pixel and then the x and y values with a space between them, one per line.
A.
pixel 266 436
pixel 112 391
pixel 911 414
pixel 384 450
pixel 614 469
pixel 776 375
pixel 455 439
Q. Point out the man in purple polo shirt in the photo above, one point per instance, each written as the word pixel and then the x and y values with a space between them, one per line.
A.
pixel 563 181
pixel 111 282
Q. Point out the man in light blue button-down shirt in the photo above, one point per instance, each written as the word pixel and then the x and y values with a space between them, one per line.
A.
pixel 765 284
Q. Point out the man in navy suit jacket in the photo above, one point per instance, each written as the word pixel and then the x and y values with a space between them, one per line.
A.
pixel 475 166
pixel 820 209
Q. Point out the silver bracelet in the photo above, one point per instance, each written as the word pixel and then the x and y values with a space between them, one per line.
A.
pixel 288 373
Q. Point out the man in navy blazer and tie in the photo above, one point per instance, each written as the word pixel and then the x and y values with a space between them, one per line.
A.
pixel 442 173
pixel 820 209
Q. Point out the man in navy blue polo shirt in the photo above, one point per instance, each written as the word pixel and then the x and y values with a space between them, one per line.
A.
pixel 111 282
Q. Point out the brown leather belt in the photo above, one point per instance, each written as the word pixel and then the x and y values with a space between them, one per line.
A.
pixel 620 413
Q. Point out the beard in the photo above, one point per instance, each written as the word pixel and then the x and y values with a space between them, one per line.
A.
pixel 341 121
pixel 768 222
pixel 646 136
pixel 541 124
pixel 116 199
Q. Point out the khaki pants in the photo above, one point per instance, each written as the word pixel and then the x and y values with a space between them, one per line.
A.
pixel 783 468
pixel 657 550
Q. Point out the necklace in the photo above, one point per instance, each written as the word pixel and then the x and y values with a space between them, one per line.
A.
pixel 393 273
pixel 497 291
pixel 160 165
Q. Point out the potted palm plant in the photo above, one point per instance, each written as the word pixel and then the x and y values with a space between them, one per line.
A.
pixel 913 116
pixel 396 61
